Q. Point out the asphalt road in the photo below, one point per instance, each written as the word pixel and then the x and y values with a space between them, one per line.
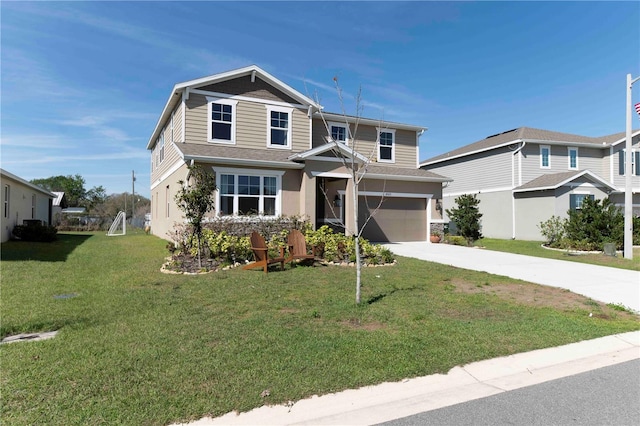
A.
pixel 606 396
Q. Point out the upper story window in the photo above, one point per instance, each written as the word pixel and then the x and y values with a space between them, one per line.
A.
pixel 279 127
pixel 222 120
pixel 573 158
pixel 386 145
pixel 249 194
pixel 339 132
pixel 6 197
pixel 635 162
pixel 545 156
pixel 161 146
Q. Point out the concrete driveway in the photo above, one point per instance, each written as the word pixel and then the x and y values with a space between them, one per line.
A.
pixel 609 285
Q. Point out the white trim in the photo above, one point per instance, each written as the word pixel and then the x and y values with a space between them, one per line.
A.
pixel 184 122
pixel 289 111
pixel 393 144
pixel 395 194
pixel 566 182
pixel 440 160
pixel 345 126
pixel 243 162
pixel 548 148
pixel 405 178
pixel 368 121
pixel 166 174
pixel 237 98
pixel 234 107
pixel 251 172
pixel 569 149
pixel 331 174
pixel 633 134
pixel 477 191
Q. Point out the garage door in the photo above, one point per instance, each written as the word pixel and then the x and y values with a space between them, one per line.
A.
pixel 398 219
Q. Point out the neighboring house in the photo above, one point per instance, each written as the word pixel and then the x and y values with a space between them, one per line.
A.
pixel 267 145
pixel 524 176
pixel 59 203
pixel 22 201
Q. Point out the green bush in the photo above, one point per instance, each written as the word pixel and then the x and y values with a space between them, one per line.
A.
pixel 35 232
pixel 595 223
pixel 466 215
pixel 456 240
pixel 553 230
pixel 228 241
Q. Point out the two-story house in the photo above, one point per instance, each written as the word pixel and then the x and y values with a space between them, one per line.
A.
pixel 524 176
pixel 273 155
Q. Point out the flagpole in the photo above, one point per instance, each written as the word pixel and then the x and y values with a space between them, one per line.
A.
pixel 628 193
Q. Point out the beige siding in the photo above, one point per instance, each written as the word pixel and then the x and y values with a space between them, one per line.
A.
pixel 171 153
pixel 366 137
pixel 161 224
pixel 244 87
pixel 20 205
pixel 251 124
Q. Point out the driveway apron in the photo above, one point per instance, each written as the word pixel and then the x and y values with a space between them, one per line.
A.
pixel 605 284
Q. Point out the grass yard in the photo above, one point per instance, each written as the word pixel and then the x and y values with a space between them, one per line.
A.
pixel 534 248
pixel 136 346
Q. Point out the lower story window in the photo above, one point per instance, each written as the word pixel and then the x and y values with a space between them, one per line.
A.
pixel 576 200
pixel 244 194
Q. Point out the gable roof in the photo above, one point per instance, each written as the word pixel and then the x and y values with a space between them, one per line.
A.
pixel 5 173
pixel 252 70
pixel 329 146
pixel 526 134
pixel 556 180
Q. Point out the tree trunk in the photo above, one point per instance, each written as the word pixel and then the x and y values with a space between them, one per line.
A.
pixel 355 220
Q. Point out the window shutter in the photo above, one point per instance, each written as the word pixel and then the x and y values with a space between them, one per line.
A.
pixel 637 155
pixel 572 201
pixel 621 162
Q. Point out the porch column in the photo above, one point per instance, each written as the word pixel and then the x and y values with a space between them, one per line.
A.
pixel 349 209
pixel 308 197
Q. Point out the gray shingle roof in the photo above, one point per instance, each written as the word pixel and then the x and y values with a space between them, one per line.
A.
pixel 525 133
pixel 554 180
pixel 279 158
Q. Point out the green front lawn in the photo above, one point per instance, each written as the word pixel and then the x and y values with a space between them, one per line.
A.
pixel 534 248
pixel 136 346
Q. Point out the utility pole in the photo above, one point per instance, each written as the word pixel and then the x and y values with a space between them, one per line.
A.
pixel 133 193
pixel 628 193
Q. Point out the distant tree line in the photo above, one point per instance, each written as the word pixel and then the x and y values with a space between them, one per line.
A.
pixel 94 200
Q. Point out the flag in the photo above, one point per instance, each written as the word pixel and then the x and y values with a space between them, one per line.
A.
pixel 637 106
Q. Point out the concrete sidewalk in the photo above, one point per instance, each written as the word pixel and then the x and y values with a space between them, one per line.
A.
pixel 609 285
pixel 389 401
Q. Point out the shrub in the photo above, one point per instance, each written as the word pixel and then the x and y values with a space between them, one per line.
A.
pixel 595 223
pixel 553 230
pixel 35 232
pixel 467 216
pixel 456 240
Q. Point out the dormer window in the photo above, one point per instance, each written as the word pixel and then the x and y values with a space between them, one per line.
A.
pixel 222 120
pixel 386 146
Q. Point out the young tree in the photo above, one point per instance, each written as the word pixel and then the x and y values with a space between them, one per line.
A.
pixel 195 198
pixel 356 163
pixel 467 216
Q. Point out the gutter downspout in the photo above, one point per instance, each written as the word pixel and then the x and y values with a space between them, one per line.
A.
pixel 513 185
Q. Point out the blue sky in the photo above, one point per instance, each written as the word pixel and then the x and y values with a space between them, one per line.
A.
pixel 83 83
